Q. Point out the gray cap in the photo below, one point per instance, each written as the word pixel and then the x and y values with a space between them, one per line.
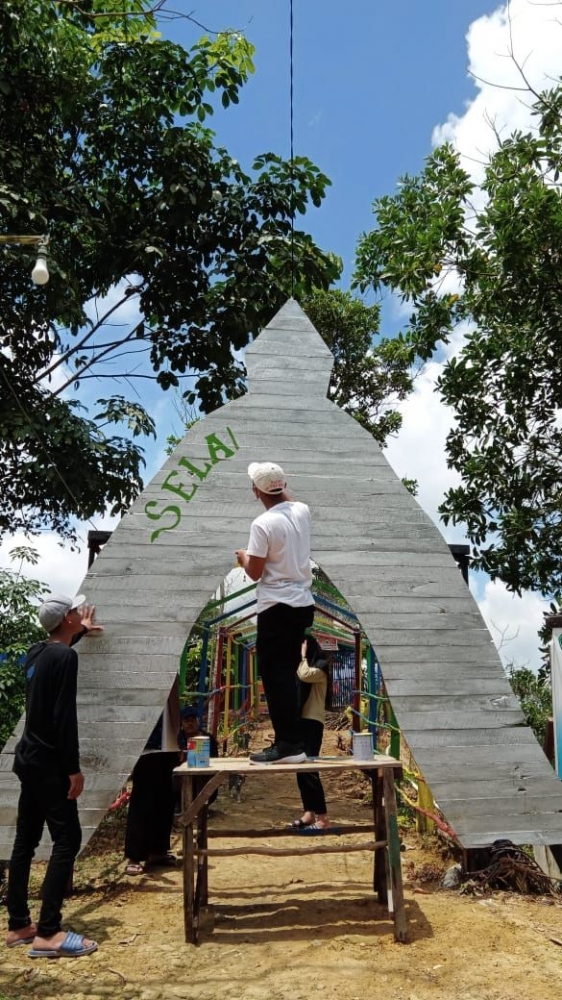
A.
pixel 53 610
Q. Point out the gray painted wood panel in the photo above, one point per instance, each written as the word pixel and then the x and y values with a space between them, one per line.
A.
pixel 532 806
pixel 438 738
pixel 171 551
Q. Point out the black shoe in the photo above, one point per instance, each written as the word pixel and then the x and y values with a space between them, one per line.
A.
pixel 275 755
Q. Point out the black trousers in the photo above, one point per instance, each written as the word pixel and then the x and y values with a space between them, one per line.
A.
pixel 278 644
pixel 310 786
pixel 43 799
pixel 151 806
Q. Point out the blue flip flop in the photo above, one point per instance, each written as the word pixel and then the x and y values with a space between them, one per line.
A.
pixel 71 947
pixel 318 831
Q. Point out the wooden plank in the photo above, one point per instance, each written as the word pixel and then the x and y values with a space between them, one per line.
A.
pixel 391 580
pixel 109 716
pixel 411 604
pixel 456 720
pixel 135 613
pixel 381 637
pixel 395 888
pixel 103 697
pixel 521 837
pixel 492 784
pixel 7 808
pixel 290 852
pixel 186 543
pixel 340 565
pixel 414 627
pixel 412 686
pixel 431 661
pixel 188 865
pixel 494 826
pixel 127 680
pixel 122 628
pixel 114 731
pixel 110 645
pixel 274 832
pixel 503 700
pixel 308 488
pixel 243 765
pixel 524 804
pixel 239 507
pixel 202 798
pixel 507 759
pixel 444 738
pixel 410 542
pixel 94 764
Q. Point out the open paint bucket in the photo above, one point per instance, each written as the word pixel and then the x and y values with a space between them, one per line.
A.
pixel 362 746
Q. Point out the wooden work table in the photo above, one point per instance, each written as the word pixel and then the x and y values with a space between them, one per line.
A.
pixel 380 836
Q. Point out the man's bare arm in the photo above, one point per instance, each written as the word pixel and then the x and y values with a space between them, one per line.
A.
pixel 252 565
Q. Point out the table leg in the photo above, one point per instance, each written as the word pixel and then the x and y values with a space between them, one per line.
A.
pixel 201 885
pixel 379 823
pixel 188 863
pixel 395 887
pixel 205 868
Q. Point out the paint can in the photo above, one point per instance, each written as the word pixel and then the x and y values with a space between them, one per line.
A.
pixel 199 752
pixel 362 746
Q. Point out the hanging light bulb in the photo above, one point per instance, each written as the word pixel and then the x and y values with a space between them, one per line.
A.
pixel 40 273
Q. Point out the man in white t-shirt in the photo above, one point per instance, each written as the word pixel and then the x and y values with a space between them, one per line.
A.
pixel 278 556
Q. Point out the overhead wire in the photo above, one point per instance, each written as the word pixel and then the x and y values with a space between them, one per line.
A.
pixel 292 141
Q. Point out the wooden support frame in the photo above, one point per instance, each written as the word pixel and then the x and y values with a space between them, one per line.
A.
pixel 385 842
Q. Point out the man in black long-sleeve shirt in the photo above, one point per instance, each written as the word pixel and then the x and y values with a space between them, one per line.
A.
pixel 47 763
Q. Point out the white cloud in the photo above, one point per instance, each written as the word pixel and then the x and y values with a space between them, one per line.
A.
pixel 525 34
pixel 419 450
pixel 514 623
pixel 60 567
pixel 419 453
pixel 533 34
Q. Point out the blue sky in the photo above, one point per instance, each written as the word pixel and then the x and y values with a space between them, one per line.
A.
pixel 376 84
pixel 371 80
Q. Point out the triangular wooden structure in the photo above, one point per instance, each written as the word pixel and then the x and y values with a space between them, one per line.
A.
pixel 172 549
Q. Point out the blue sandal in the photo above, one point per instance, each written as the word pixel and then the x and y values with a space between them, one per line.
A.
pixel 298 825
pixel 319 831
pixel 71 947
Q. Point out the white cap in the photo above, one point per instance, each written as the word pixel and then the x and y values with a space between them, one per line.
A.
pixel 267 477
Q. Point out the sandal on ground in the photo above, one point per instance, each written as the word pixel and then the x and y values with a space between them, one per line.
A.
pixel 318 831
pixel 73 946
pixel 297 824
pixel 166 861
pixel 134 868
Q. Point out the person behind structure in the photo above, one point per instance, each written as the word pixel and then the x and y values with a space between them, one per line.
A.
pixel 150 815
pixel 190 728
pixel 314 682
pixel 278 557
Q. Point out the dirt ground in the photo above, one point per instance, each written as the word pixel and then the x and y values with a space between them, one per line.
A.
pixel 286 928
